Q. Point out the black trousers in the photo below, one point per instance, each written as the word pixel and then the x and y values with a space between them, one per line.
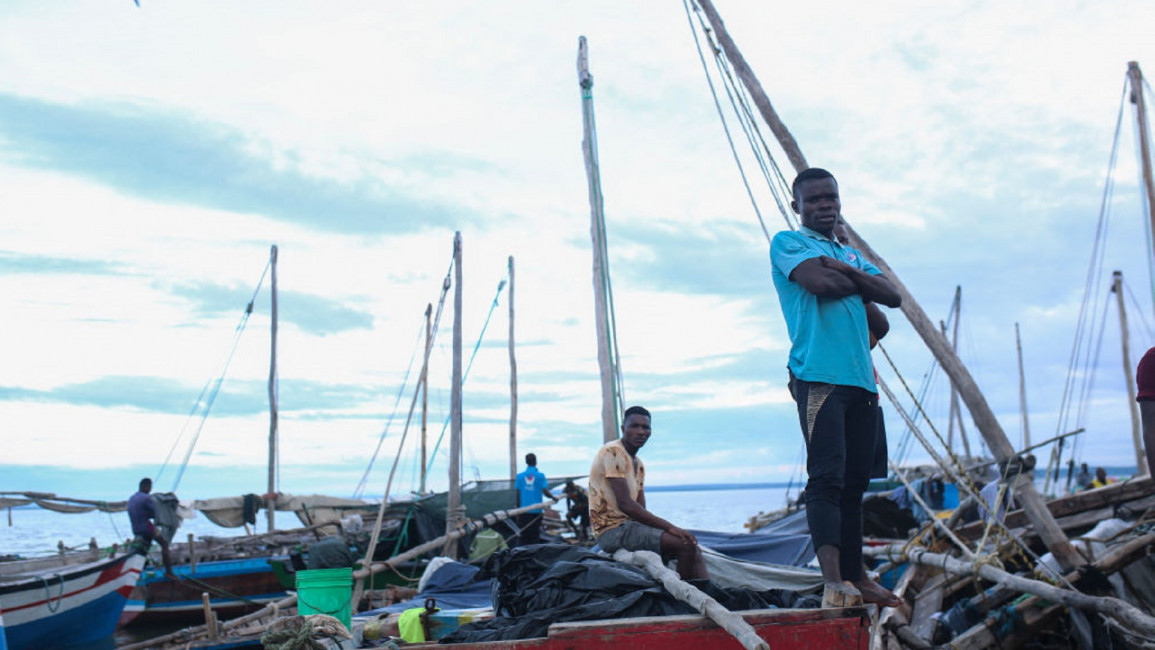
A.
pixel 530 525
pixel 840 426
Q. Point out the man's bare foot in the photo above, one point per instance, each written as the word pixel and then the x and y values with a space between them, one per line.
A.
pixel 872 592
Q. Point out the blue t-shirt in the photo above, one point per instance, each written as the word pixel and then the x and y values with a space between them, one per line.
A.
pixel 529 485
pixel 829 336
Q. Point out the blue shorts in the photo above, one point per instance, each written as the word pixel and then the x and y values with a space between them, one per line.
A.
pixel 632 536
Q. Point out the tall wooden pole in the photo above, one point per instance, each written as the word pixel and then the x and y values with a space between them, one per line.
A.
pixel 512 384
pixel 271 495
pixel 1129 374
pixel 453 511
pixel 954 405
pixel 1136 79
pixel 1022 390
pixel 597 231
pixel 425 393
pixel 984 417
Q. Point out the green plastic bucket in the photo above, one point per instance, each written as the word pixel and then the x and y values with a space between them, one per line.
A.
pixel 326 591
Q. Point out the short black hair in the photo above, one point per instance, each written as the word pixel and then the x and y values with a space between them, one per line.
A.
pixel 811 174
pixel 635 410
pixel 145 483
pixel 531 460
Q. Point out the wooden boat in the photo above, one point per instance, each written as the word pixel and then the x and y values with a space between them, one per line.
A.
pixel 58 602
pixel 781 629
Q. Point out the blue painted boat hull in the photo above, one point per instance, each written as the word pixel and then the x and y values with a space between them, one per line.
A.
pixel 67 606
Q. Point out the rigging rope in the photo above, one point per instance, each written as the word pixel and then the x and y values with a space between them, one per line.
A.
pixel 738 98
pixel 1090 286
pixel 205 405
pixel 465 375
pixel 360 489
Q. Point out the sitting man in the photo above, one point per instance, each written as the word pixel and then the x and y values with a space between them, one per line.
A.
pixel 577 510
pixel 618 502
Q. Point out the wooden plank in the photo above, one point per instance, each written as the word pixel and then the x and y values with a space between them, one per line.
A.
pixel 928 601
pixel 782 629
pixel 1104 499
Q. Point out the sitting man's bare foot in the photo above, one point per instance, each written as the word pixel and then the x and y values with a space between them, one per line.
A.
pixel 872 592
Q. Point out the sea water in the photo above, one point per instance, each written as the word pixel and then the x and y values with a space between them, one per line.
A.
pixel 31 531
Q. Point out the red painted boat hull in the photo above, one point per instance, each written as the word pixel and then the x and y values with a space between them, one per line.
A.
pixel 782 629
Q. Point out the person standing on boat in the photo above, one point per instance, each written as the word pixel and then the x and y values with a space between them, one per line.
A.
pixel 822 286
pixel 141 513
pixel 878 326
pixel 1145 383
pixel 531 484
pixel 618 502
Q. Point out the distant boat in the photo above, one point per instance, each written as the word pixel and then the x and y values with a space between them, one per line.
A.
pixel 52 603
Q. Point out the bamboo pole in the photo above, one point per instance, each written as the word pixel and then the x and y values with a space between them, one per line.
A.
pixel 597 230
pixel 1022 390
pixel 271 495
pixel 512 384
pixel 210 617
pixel 742 631
pixel 955 411
pixel 981 411
pixel 421 386
pixel 1129 375
pixel 424 384
pixel 1128 616
pixel 1135 76
pixel 453 509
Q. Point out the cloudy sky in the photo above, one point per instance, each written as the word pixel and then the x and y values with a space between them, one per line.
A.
pixel 151 155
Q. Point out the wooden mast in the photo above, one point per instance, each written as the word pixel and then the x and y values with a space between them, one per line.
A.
pixel 1129 374
pixel 984 417
pixel 425 394
pixel 1022 390
pixel 597 230
pixel 1136 80
pixel 954 405
pixel 512 385
pixel 955 413
pixel 271 494
pixel 453 514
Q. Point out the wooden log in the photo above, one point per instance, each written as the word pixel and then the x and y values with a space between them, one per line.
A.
pixel 1080 520
pixel 600 256
pixel 983 636
pixel 210 617
pixel 687 593
pixel 1126 615
pixel 928 601
pixel 192 556
pixel 1111 496
pixel 512 383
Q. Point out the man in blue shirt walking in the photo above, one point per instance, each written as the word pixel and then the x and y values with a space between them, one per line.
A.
pixel 822 286
pixel 531 484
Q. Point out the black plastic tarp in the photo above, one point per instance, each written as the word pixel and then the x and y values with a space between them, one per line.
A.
pixel 534 586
